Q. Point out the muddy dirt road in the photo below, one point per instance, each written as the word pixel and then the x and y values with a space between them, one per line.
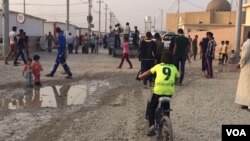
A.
pixel 111 107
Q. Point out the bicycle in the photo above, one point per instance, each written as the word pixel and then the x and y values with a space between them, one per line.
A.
pixel 163 123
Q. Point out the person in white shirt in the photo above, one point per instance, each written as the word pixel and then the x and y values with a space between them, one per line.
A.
pixel 70 42
pixel 126 30
pixel 13 40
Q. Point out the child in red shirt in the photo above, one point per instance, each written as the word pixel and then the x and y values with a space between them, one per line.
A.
pixel 125 47
pixel 37 68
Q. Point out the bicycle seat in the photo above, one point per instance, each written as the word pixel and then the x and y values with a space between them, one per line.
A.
pixel 164 99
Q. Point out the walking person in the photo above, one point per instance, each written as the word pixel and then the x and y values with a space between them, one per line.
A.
pixel 159 47
pixel 195 46
pixel 210 54
pixel 26 41
pixel 21 47
pixel 243 90
pixel 49 40
pixel 60 59
pixel 125 47
pixel 203 45
pixel 70 42
pixel 147 56
pixel 180 52
pixel 13 44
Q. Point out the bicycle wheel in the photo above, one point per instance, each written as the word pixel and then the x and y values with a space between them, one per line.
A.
pixel 167 129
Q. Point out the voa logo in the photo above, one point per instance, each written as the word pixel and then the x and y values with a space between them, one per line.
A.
pixel 236 132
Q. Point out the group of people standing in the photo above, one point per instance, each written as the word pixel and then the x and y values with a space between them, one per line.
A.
pixel 223 52
pixel 83 42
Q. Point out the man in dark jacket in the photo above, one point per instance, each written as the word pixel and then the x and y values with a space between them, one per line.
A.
pixel 204 44
pixel 21 46
pixel 181 49
pixel 147 55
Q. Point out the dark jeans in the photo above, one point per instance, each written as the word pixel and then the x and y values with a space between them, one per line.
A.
pixel 92 48
pixel 204 63
pixel 180 62
pixel 146 65
pixel 60 59
pixel 152 106
pixel 125 56
pixel 158 58
pixel 224 58
pixel 117 41
pixel 210 67
pixel 20 53
pixel 70 46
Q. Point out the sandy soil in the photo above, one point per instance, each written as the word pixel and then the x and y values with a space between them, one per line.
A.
pixel 200 107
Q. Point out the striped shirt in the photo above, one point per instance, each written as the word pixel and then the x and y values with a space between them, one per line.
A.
pixel 211 48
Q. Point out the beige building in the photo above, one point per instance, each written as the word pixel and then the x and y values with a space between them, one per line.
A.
pixel 217 15
pixel 247 9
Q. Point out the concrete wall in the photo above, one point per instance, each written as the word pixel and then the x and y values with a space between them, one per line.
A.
pixel 83 31
pixel 171 22
pixel 207 19
pixel 224 17
pixel 49 26
pixel 196 17
pixel 223 34
pixel 248 16
pixel 32 26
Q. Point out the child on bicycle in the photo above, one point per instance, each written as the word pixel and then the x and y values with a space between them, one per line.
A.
pixel 166 74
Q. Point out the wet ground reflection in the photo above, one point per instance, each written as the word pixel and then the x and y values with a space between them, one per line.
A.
pixel 226 69
pixel 52 96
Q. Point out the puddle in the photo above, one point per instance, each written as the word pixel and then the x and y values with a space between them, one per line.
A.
pixel 224 70
pixel 53 96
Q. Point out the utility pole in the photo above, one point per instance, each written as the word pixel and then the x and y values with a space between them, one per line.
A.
pixel 5 14
pixel 67 21
pixel 100 4
pixel 178 15
pixel 154 24
pixel 90 18
pixel 111 20
pixel 161 17
pixel 24 7
pixel 238 27
pixel 106 18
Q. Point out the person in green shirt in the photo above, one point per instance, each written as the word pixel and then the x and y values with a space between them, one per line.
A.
pixel 166 74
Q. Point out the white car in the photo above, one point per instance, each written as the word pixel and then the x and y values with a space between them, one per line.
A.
pixel 167 39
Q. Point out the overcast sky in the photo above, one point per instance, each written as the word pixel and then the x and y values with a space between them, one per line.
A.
pixel 132 11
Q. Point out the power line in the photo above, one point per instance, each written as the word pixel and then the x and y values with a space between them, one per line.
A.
pixel 173 5
pixel 56 5
pixel 193 4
